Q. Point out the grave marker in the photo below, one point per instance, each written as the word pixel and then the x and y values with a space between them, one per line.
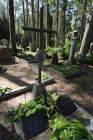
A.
pixel 39 87
pixel 66 106
pixel 73 45
pixel 34 124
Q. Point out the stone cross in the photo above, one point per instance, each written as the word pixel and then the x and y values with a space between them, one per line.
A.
pixel 40 55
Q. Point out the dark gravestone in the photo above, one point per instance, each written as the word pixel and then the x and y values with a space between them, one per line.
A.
pixel 65 106
pixel 34 124
pixel 54 58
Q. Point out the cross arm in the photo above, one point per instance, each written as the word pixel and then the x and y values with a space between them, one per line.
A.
pixel 39 30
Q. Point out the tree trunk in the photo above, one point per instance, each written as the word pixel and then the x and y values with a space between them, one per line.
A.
pixel 87 37
pixel 83 21
pixel 12 26
pixel 37 34
pixel 24 19
pixel 7 10
pixel 33 20
pixel 56 36
pixel 27 20
pixel 47 35
pixel 62 30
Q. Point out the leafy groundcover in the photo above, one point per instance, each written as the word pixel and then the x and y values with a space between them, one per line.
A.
pixel 4 90
pixel 61 128
pixel 67 70
pixel 0 67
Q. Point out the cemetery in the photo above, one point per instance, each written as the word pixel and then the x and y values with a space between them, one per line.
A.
pixel 46 70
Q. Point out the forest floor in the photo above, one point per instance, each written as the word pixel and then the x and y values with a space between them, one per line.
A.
pixel 79 89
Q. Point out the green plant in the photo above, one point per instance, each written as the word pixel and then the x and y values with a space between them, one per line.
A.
pixel 64 130
pixel 66 51
pixel 89 58
pixel 65 68
pixel 0 67
pixel 23 54
pixel 4 90
pixel 34 105
pixel 43 77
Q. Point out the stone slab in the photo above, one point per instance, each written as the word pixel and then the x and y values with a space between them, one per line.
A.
pixel 5 54
pixel 65 106
pixel 34 124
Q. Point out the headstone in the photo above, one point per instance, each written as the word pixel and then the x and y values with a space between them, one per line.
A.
pixel 66 106
pixel 5 54
pixel 4 41
pixel 91 49
pixel 54 58
pixel 73 45
pixel 34 124
pixel 33 46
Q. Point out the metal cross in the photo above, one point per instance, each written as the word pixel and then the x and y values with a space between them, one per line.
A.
pixel 41 30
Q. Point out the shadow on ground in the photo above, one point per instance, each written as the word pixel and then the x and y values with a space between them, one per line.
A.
pixel 5 135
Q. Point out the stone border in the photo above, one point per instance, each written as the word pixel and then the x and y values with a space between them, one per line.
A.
pixel 21 90
pixel 66 76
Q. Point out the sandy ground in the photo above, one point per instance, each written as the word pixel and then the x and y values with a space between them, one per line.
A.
pixel 80 89
pixel 17 75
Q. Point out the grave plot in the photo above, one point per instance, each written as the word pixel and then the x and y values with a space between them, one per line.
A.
pixel 66 70
pixel 30 113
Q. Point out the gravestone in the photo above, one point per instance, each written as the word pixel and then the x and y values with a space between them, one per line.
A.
pixel 34 46
pixel 91 49
pixel 4 41
pixel 5 54
pixel 73 45
pixel 54 58
pixel 65 106
pixel 34 124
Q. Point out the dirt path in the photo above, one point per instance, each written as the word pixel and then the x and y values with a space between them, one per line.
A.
pixel 17 75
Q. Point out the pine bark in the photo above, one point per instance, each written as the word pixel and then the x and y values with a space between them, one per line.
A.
pixel 12 26
pixel 86 38
pixel 37 34
pixel 24 18
pixel 47 35
pixel 83 22
pixel 33 20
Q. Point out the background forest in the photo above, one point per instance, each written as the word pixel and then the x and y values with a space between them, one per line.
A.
pixel 64 16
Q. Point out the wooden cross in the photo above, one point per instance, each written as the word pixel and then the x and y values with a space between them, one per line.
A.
pixel 41 30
